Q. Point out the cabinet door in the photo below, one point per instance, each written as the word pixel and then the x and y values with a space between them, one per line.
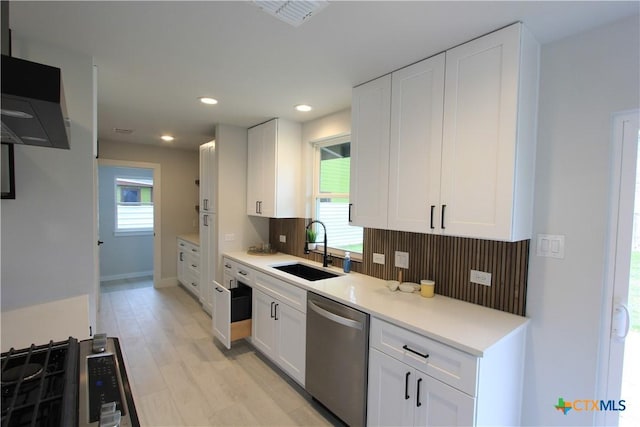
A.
pixel 479 136
pixel 370 115
pixel 222 314
pixel 180 265
pixel 207 177
pixel 207 241
pixel 417 102
pixel 291 339
pixel 391 391
pixel 442 405
pixel 261 172
pixel 263 335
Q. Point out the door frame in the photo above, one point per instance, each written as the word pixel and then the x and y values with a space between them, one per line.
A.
pixel 620 228
pixel 157 220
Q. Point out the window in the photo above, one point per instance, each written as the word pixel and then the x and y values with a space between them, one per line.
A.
pixel 331 193
pixel 134 205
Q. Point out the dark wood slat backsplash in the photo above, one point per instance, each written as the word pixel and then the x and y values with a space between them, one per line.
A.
pixel 447 260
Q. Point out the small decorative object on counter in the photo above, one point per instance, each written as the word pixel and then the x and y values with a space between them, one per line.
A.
pixel 427 288
pixel 346 265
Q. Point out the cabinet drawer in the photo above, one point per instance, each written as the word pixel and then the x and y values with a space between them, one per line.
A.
pixel 285 292
pixel 192 282
pixel 244 274
pixel 451 366
pixel 193 264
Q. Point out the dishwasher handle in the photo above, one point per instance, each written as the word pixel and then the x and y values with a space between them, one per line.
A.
pixel 334 317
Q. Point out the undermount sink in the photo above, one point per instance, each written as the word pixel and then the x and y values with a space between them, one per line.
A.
pixel 305 271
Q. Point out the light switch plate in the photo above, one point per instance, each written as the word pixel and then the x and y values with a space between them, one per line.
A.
pixel 230 237
pixel 283 238
pixel 550 245
pixel 378 258
pixel 402 259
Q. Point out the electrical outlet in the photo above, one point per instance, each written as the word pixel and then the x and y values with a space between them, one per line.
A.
pixel 378 258
pixel 283 238
pixel 480 277
pixel 230 237
pixel 402 259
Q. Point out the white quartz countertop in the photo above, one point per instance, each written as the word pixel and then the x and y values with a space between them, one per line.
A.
pixel 465 326
pixel 191 238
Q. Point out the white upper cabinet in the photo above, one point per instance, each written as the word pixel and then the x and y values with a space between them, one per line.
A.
pixel 417 95
pixel 488 150
pixel 208 177
pixel 370 110
pixel 273 176
pixel 447 145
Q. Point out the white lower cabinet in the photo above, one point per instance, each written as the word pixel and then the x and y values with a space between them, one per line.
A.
pixel 231 317
pixel 279 331
pixel 417 381
pixel 400 395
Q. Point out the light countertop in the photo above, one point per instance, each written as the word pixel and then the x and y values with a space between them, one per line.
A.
pixel 465 326
pixel 193 238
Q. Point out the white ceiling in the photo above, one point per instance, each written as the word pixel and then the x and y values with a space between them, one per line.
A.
pixel 155 58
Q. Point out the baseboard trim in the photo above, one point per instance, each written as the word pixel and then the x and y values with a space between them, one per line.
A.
pixel 134 275
pixel 167 282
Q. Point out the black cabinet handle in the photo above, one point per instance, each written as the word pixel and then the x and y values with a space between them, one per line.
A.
pixel 227 266
pixel 230 283
pixel 406 386
pixel 442 219
pixel 350 205
pixel 406 347
pixel 194 266
pixel 257 206
pixel 181 256
pixel 218 289
pixel 244 273
pixel 276 312
pixel 100 242
pixel 433 207
pixel 205 220
pixel 418 403
pixel 272 316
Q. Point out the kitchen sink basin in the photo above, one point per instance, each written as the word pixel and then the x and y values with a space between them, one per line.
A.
pixel 306 272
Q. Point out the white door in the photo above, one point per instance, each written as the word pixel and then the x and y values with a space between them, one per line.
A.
pixel 417 104
pixel 221 317
pixel 479 136
pixel 262 323
pixel 438 404
pixel 254 171
pixel 391 391
pixel 370 117
pixel 619 382
pixel 291 326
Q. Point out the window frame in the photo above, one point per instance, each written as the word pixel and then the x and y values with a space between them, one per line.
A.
pixel 317 145
pixel 117 232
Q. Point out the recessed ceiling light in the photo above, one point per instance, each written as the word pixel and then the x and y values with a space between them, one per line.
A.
pixel 303 107
pixel 167 138
pixel 207 100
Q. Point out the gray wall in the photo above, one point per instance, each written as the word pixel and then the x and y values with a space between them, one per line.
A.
pixel 584 79
pixel 120 256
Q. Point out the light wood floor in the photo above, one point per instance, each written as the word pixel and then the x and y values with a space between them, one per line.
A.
pixel 181 377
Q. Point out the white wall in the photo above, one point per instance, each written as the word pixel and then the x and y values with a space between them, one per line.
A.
pixel 121 256
pixel 179 171
pixel 236 230
pixel 338 123
pixel 584 79
pixel 48 239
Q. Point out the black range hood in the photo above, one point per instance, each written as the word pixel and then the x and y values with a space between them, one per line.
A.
pixel 33 107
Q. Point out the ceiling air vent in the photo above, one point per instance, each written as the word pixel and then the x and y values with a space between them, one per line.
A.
pixel 293 12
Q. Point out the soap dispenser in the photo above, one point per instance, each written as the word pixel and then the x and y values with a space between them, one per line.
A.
pixel 346 265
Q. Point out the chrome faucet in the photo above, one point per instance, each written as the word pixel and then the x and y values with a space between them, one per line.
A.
pixel 325 261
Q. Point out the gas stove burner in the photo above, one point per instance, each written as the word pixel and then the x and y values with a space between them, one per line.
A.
pixel 26 372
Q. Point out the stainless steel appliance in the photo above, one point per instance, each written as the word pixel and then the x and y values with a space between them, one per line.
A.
pixel 67 383
pixel 336 358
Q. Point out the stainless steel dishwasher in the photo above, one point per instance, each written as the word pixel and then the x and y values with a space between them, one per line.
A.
pixel 337 358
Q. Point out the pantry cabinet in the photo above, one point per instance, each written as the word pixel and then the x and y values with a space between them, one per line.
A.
pixel 273 174
pixel 458 134
pixel 208 181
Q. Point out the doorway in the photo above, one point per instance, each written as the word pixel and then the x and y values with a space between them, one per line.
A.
pixel 619 375
pixel 129 223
